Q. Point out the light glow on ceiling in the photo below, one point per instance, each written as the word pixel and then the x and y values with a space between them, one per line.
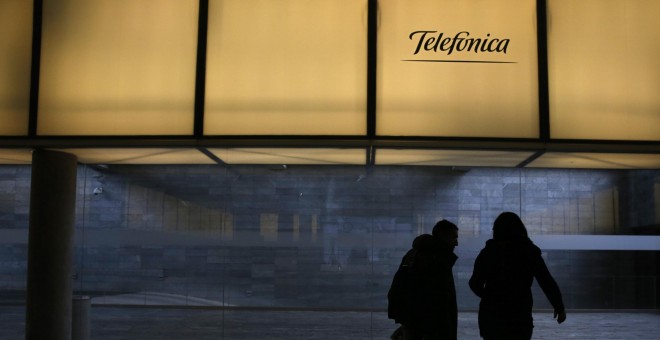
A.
pixel 584 160
pixel 139 156
pixel 15 156
pixel 470 158
pixel 327 156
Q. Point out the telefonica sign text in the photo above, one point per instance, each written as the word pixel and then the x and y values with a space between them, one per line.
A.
pixel 461 42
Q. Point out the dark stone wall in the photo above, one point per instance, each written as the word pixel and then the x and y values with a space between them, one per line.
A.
pixel 330 236
pixel 639 212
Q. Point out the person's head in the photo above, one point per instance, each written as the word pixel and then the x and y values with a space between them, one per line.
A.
pixel 508 226
pixel 446 232
pixel 423 242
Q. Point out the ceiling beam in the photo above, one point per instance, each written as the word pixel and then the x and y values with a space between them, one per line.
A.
pixel 332 142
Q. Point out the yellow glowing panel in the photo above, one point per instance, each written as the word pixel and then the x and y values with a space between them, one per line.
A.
pixel 15 156
pixel 597 161
pixel 291 156
pixel 290 67
pixel 458 68
pixel 450 157
pixel 140 156
pixel 604 69
pixel 118 67
pixel 15 56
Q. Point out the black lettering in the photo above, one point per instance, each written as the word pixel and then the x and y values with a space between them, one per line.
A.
pixel 444 44
pixel 490 45
pixel 428 43
pixel 502 45
pixel 483 46
pixel 421 38
pixel 460 42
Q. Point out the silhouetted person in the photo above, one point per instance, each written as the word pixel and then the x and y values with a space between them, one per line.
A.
pixel 423 296
pixel 502 278
pixel 399 297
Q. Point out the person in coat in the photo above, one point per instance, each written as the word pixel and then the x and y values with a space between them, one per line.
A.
pixel 502 277
pixel 428 308
pixel 400 294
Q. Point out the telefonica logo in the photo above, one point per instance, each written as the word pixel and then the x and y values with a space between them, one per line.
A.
pixel 461 42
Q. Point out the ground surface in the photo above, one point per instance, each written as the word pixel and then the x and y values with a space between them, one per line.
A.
pixel 114 323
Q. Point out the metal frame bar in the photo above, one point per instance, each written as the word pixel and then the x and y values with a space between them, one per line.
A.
pixel 35 67
pixel 200 70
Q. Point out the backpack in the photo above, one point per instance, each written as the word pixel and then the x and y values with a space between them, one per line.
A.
pixel 399 297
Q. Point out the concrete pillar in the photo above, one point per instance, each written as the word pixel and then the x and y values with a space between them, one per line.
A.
pixel 50 246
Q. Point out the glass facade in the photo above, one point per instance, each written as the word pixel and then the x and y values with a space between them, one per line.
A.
pixel 330 237
pixel 253 155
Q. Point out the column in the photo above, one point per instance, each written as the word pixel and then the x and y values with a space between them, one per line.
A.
pixel 50 246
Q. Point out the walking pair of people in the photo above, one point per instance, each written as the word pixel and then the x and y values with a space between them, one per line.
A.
pixel 422 297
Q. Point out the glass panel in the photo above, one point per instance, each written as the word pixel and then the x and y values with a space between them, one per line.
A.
pixel 15 60
pixel 293 67
pixel 598 242
pixel 283 264
pixel 603 68
pixel 457 68
pixel 14 217
pixel 450 157
pixel 597 161
pixel 291 156
pixel 140 156
pixel 118 67
pixel 15 156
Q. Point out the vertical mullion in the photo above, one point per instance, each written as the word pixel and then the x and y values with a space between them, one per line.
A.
pixel 542 51
pixel 35 67
pixel 372 44
pixel 200 71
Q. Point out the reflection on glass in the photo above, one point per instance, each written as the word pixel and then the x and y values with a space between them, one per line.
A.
pixel 332 237
pixel 291 156
pixel 293 67
pixel 450 157
pixel 587 160
pixel 140 156
pixel 603 69
pixel 457 68
pixel 15 156
pixel 15 56
pixel 118 67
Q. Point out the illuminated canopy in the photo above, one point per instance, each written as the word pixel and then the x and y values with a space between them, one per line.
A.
pixel 398 82
pixel 286 68
pixel 118 67
pixel 15 48
pixel 608 87
pixel 458 68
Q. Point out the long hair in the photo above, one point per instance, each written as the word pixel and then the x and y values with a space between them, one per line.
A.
pixel 508 226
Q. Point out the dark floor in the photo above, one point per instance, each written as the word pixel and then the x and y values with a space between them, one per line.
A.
pixel 110 323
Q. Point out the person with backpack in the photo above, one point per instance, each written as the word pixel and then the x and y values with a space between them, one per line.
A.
pixel 422 297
